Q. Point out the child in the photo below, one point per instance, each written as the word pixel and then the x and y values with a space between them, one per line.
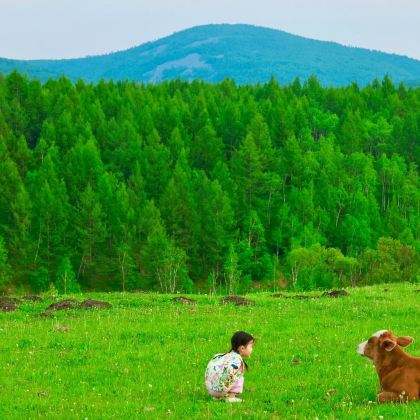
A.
pixel 225 372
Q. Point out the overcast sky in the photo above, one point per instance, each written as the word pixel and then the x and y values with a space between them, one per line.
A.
pixel 74 28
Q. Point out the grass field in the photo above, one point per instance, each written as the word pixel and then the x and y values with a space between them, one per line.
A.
pixel 145 357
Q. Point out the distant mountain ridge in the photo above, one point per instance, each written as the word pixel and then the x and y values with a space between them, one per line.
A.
pixel 245 53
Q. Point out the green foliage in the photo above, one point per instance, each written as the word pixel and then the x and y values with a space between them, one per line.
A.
pixel 39 280
pixel 390 262
pixel 192 186
pixel 165 262
pixel 4 265
pixel 318 267
pixel 65 279
pixel 231 270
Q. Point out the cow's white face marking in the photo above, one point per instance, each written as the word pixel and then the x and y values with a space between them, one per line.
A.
pixel 361 348
pixel 379 333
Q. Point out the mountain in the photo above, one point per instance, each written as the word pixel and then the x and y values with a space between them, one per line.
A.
pixel 245 53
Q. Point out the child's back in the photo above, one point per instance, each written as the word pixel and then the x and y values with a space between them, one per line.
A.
pixel 223 371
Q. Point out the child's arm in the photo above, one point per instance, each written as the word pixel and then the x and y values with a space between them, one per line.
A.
pixel 232 372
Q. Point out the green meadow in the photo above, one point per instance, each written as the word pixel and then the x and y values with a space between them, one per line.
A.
pixel 145 357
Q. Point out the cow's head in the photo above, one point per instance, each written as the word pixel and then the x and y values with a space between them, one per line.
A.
pixel 380 343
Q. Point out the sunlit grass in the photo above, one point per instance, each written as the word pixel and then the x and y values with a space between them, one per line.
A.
pixel 146 357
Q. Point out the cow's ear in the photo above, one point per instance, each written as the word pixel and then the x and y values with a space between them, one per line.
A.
pixel 404 341
pixel 388 344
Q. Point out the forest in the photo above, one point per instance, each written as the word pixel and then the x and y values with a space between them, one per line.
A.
pixel 207 187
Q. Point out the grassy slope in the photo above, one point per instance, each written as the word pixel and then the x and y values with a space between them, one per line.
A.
pixel 147 355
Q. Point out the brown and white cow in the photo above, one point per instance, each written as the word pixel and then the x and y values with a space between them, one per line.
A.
pixel 399 373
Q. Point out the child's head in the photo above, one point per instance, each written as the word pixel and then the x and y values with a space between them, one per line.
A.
pixel 242 343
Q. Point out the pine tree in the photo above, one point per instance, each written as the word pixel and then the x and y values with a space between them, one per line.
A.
pixel 179 212
pixel 216 220
pixel 65 279
pixel 4 265
pixel 50 215
pixel 90 231
pixel 164 261
pixel 232 272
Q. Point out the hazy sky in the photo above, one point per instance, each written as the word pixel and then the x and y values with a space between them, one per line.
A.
pixel 74 28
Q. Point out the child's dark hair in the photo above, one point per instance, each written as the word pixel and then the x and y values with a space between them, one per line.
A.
pixel 241 338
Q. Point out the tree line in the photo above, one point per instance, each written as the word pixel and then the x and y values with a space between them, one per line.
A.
pixel 196 186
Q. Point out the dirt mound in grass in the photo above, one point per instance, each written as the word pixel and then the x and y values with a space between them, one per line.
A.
pixel 331 294
pixel 335 293
pixel 9 299
pixel 184 300
pixel 33 298
pixel 46 315
pixel 138 292
pixel 8 306
pixel 63 305
pixel 302 297
pixel 280 295
pixel 96 304
pixel 237 300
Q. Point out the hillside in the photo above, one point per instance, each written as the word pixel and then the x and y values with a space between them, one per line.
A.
pixel 246 53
